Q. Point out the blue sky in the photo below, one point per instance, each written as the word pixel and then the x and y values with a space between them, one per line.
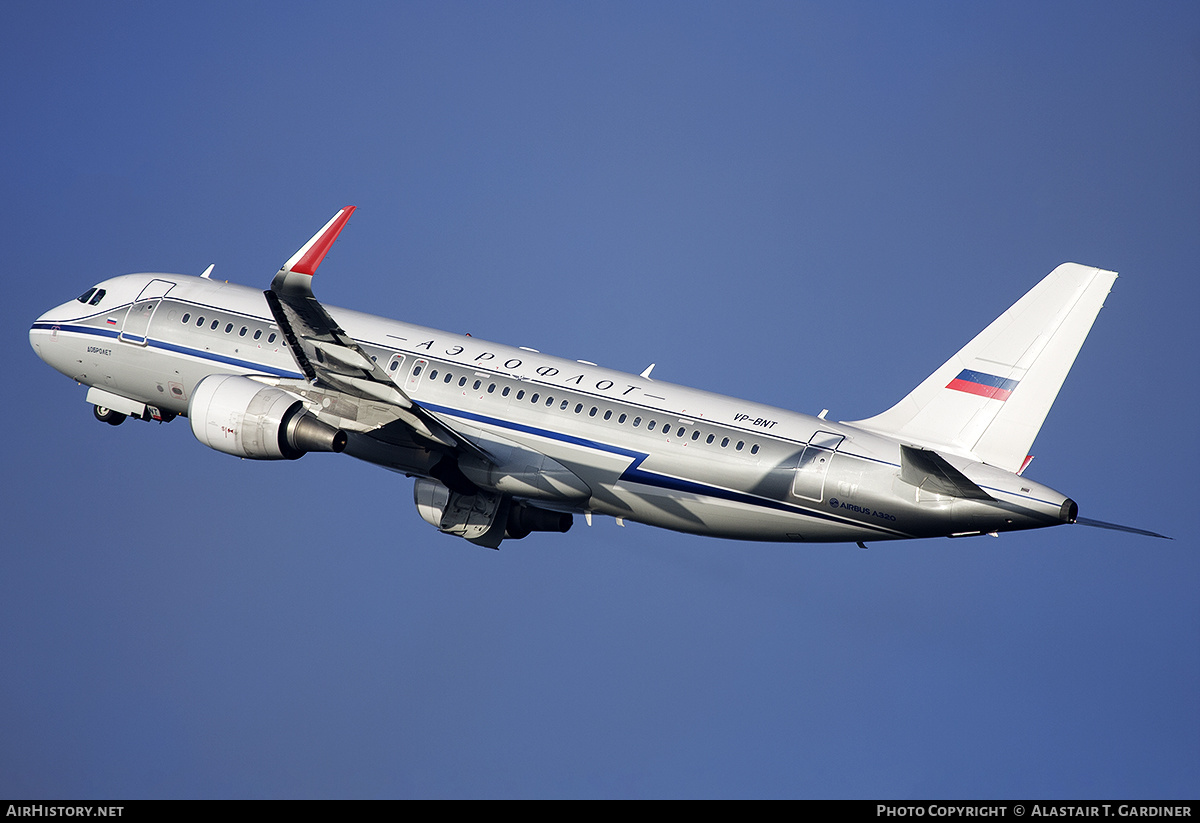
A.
pixel 811 205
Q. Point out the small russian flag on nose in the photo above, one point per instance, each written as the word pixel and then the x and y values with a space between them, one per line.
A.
pixel 983 384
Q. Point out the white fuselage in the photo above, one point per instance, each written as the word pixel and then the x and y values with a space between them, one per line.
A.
pixel 645 450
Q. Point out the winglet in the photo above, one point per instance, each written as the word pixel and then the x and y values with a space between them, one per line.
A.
pixel 310 255
pixel 296 275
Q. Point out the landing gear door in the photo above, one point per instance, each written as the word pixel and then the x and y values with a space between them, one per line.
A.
pixel 813 466
pixel 137 319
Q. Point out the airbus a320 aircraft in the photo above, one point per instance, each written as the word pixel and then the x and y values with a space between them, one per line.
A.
pixel 505 441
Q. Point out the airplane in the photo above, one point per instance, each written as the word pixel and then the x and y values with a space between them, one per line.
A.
pixel 504 441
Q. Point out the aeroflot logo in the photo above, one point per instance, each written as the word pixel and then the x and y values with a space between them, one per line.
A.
pixel 514 367
pixel 983 384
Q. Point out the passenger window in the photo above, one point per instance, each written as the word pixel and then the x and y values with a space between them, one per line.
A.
pixel 506 391
pixel 417 372
pixel 476 385
pixel 214 325
pixel 637 421
pixel 724 442
pixel 608 414
pixel 696 434
pixel 228 328
pixel 680 432
pixel 186 318
pixel 448 377
pixel 242 333
pixel 462 381
pixel 393 365
pixel 271 337
pixel 579 408
pixel 549 401
pixel 621 420
pixel 521 394
pixel 491 387
pixel 257 334
pixel 754 449
pixel 710 438
pixel 199 321
pixel 649 426
pixel 738 447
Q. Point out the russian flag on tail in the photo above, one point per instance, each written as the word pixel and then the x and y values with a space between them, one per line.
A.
pixel 983 384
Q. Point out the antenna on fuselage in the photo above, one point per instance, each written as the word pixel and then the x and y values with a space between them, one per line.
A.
pixel 646 373
pixel 208 272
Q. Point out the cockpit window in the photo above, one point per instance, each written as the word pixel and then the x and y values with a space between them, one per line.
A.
pixel 97 297
pixel 87 295
pixel 92 296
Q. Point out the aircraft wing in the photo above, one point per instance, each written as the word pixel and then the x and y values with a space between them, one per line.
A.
pixel 332 361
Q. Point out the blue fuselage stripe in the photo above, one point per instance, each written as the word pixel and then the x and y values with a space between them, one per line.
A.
pixel 114 334
pixel 633 473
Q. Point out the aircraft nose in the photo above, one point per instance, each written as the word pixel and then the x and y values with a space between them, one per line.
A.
pixel 45 318
pixel 44 329
pixel 38 331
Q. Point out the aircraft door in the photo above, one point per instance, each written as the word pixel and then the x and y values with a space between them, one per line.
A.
pixel 395 368
pixel 813 466
pixel 137 319
pixel 414 377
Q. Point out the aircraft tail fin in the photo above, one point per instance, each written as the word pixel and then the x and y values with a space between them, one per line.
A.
pixel 990 399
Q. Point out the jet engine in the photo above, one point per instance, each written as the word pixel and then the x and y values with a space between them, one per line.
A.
pixel 483 518
pixel 242 417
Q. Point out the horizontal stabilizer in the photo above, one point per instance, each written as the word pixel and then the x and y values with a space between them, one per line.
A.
pixel 989 400
pixel 928 470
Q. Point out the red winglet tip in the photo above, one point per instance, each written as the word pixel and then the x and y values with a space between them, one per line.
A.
pixel 311 259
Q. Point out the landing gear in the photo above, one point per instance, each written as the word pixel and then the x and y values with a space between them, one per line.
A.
pixel 106 415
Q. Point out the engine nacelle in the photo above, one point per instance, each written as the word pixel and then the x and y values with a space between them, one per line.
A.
pixel 484 518
pixel 242 417
pixel 524 518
